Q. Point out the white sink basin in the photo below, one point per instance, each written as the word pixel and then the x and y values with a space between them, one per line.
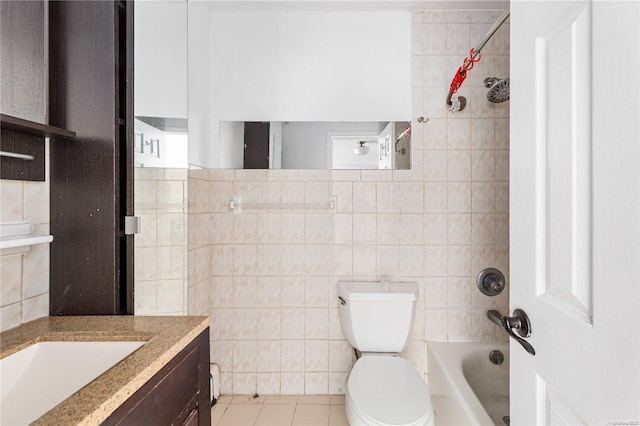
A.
pixel 39 377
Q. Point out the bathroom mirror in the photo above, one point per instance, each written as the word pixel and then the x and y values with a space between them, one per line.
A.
pixel 315 145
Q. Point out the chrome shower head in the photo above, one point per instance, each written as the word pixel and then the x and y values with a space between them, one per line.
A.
pixel 498 89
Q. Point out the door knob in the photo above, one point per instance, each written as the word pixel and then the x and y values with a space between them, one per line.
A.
pixel 518 322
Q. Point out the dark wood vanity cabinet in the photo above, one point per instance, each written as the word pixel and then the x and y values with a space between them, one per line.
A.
pixel 177 395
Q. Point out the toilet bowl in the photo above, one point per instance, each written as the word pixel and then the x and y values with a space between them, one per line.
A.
pixel 383 389
pixel 386 390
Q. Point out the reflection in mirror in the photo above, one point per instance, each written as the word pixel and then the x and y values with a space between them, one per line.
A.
pixel 160 142
pixel 315 145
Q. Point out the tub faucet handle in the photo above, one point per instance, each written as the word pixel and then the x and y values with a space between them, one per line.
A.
pixel 490 281
pixel 518 322
pixel 495 316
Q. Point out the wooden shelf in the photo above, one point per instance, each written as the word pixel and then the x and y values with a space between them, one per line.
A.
pixel 21 125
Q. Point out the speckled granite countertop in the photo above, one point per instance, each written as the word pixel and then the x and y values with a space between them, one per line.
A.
pixel 165 337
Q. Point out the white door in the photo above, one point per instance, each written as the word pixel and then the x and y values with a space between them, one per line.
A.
pixel 575 211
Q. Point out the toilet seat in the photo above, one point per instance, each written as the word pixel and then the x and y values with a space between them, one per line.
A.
pixel 386 390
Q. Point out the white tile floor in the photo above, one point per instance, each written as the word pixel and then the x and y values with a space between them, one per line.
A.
pixel 279 410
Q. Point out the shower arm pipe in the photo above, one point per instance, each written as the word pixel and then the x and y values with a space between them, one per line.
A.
pixel 475 52
pixel 503 17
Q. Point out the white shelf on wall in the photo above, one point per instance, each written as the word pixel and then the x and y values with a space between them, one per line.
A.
pixel 167 208
pixel 17 238
pixel 237 205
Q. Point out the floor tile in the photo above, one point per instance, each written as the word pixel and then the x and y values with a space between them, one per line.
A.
pixel 337 416
pixel 217 411
pixel 314 399
pixel 311 415
pixel 248 399
pixel 337 399
pixel 279 410
pixel 281 399
pixel 224 399
pixel 240 415
pixel 276 415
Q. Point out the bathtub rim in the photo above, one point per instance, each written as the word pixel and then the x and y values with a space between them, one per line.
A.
pixel 444 354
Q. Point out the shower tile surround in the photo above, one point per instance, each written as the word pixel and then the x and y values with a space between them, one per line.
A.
pixel 268 278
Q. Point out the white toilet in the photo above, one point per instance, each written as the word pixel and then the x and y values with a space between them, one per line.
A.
pixel 383 389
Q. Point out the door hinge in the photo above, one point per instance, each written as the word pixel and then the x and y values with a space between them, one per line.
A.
pixel 131 225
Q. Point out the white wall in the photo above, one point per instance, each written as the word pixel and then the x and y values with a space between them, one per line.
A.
pixel 203 134
pixel 231 144
pixel 161 59
pixel 310 66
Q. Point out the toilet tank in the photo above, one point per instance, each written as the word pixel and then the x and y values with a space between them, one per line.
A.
pixel 377 316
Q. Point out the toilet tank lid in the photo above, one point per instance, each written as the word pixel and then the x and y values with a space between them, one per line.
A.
pixel 376 290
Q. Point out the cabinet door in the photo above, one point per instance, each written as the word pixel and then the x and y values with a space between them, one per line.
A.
pixel 90 91
pixel 178 394
pixel 193 419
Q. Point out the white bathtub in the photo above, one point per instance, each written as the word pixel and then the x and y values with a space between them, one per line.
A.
pixel 466 388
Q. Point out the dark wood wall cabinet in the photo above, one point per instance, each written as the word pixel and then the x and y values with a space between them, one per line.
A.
pixel 91 92
pixel 22 147
pixel 177 395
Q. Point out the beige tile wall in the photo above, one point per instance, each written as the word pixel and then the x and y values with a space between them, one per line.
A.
pixel 268 278
pixel 161 245
pixel 24 285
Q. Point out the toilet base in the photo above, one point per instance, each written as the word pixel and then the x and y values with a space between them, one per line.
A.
pixel 352 418
pixel 355 419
